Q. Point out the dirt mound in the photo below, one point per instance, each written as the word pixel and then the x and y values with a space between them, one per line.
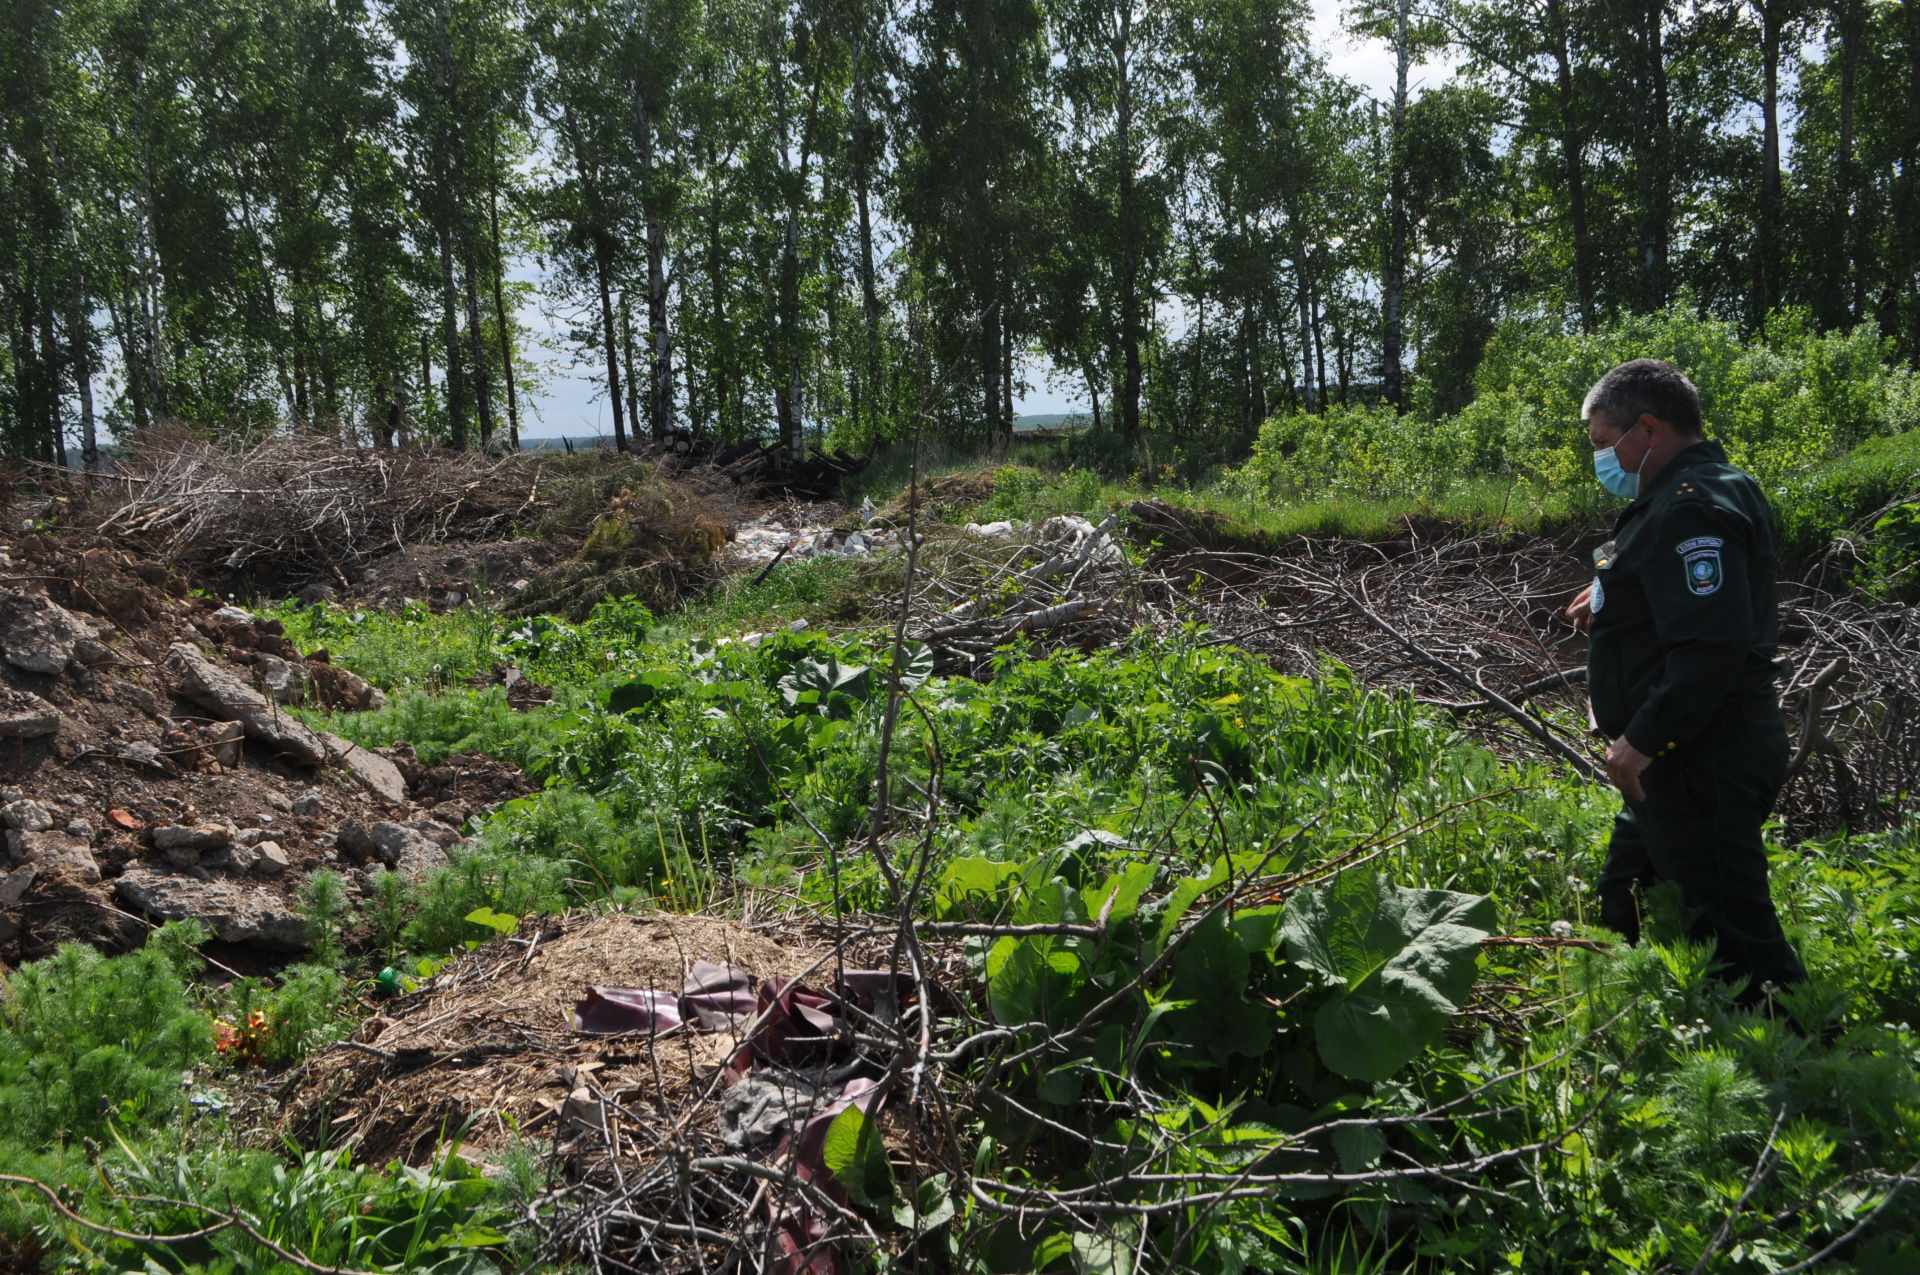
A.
pixel 449 575
pixel 1155 523
pixel 488 1045
pixel 150 769
pixel 462 787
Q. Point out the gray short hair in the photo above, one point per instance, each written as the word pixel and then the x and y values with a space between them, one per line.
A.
pixel 1652 386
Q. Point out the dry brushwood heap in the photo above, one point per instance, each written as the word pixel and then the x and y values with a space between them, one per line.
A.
pixel 683 1071
pixel 301 507
pixel 1473 624
pixel 773 471
pixel 1061 584
pixel 415 524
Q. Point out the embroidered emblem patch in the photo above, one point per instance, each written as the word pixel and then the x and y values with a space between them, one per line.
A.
pixel 1599 598
pixel 1686 547
pixel 1703 571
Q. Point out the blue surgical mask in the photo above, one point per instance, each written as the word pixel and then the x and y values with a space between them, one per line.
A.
pixel 1613 476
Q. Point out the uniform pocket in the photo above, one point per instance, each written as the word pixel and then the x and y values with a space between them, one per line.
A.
pixel 1671 783
pixel 1745 772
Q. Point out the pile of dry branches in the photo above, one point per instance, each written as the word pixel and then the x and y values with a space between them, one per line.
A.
pixel 1474 625
pixel 1467 623
pixel 1065 584
pixel 1851 686
pixel 297 508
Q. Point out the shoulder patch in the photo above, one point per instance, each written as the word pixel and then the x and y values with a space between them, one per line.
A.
pixel 1703 570
pixel 1698 542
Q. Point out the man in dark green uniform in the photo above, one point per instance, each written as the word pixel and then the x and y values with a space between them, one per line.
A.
pixel 1684 625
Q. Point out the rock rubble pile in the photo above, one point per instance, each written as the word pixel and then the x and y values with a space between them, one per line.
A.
pixel 153 767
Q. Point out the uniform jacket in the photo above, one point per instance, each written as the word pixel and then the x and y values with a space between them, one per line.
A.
pixel 1685 621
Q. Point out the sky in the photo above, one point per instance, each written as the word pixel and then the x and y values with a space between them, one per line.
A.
pixel 572 402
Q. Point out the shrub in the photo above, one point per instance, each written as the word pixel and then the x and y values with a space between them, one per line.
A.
pixel 1791 401
pixel 568 826
pixel 483 876
pixel 458 721
pixel 1819 505
pixel 87 1039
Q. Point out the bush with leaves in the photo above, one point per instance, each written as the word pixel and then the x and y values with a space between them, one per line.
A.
pixel 1785 405
pixel 87 1040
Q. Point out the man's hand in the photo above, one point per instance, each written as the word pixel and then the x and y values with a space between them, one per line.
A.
pixel 1580 610
pixel 1624 764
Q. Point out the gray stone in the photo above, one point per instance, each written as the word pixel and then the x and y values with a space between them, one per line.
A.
pixel 233 615
pixel 406 849
pixel 28 816
pixel 241 859
pixel 55 854
pixel 183 856
pixel 234 912
pixel 317 594
pixel 222 693
pixel 278 800
pixel 37 634
pixel 284 682
pixel 354 838
pixel 226 739
pixel 272 861
pixel 89 652
pixel 13 885
pixel 438 833
pixel 138 696
pixel 141 754
pixel 205 836
pixel 307 803
pixel 254 836
pixel 80 828
pixel 378 775
pixel 24 715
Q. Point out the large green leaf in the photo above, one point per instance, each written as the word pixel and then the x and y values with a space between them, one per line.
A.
pixel 1212 971
pixel 1400 962
pixel 825 683
pixel 974 887
pixel 858 1158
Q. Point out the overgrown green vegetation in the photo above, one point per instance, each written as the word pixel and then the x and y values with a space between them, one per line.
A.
pixel 109 1093
pixel 1271 900
pixel 1134 786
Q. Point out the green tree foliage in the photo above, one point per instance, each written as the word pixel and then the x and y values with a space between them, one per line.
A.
pixel 829 219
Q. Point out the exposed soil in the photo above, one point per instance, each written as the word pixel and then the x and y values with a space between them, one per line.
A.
pixel 452 574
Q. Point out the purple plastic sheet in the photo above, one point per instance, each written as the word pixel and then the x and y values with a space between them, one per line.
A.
pixel 716 995
pixel 611 1010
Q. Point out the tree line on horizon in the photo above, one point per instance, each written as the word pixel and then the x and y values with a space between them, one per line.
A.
pixel 786 219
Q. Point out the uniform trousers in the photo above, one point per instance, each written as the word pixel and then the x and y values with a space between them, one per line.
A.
pixel 1699 827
